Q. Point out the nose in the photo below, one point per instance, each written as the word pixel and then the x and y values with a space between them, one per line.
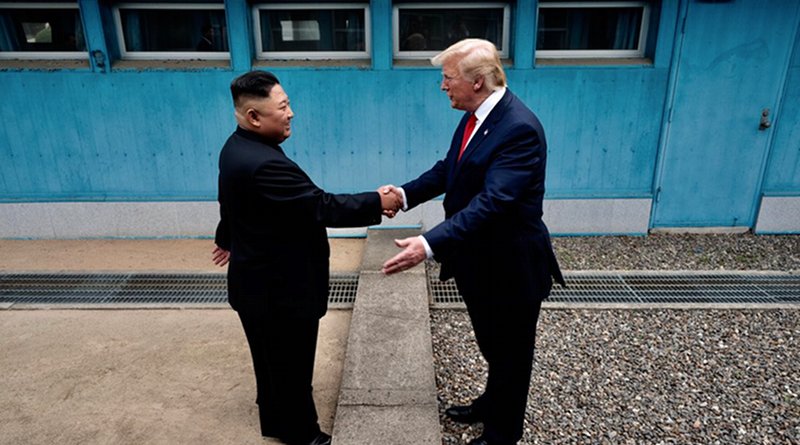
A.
pixel 291 113
pixel 443 86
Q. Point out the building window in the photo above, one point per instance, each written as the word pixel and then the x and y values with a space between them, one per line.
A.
pixel 171 31
pixel 305 31
pixel 424 30
pixel 592 29
pixel 41 31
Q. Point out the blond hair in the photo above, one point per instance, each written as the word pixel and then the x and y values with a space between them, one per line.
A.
pixel 478 58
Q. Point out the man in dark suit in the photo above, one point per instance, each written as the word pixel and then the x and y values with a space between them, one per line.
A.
pixel 493 240
pixel 272 234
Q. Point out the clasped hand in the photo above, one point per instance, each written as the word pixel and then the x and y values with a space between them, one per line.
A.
pixel 391 200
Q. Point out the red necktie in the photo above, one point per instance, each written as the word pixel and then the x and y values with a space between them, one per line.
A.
pixel 467 133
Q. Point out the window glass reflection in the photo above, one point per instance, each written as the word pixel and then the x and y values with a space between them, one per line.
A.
pixel 300 30
pixel 39 30
pixel 436 29
pixel 589 28
pixel 181 30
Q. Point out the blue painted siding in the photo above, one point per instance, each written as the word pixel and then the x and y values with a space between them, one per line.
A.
pixel 714 155
pixel 601 143
pixel 382 51
pixel 783 173
pixel 155 135
pixel 132 136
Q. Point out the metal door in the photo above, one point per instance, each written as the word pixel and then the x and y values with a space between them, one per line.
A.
pixel 731 64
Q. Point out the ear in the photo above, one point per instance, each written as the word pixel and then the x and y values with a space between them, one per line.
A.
pixel 252 117
pixel 477 85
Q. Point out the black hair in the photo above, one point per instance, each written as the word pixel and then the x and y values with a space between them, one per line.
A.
pixel 253 84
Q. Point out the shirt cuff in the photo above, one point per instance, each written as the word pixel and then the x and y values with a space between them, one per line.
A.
pixel 405 201
pixel 428 251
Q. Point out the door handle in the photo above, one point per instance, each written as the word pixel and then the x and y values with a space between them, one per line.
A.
pixel 765 122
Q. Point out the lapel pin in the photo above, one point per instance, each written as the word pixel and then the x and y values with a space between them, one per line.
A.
pixel 485 132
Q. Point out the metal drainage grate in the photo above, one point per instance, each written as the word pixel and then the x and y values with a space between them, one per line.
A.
pixel 654 288
pixel 342 290
pixel 139 288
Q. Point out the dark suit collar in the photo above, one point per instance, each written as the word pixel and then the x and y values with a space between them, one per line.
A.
pixel 255 137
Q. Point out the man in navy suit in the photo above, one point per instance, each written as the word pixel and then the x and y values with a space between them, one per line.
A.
pixel 492 241
pixel 272 236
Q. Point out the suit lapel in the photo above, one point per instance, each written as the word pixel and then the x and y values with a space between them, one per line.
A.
pixel 483 131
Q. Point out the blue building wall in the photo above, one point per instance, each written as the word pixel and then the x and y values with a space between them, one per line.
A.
pixel 153 134
pixel 783 172
pixel 156 135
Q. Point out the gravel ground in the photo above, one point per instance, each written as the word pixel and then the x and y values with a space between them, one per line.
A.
pixel 680 252
pixel 641 377
pixel 648 376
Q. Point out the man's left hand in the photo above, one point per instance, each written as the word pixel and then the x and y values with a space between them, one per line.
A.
pixel 220 256
pixel 413 253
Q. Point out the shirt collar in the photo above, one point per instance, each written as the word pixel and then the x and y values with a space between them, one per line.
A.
pixel 489 103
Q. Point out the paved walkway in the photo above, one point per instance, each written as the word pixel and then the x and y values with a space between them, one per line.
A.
pixel 167 377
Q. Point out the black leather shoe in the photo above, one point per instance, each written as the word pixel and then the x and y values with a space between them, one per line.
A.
pixel 480 440
pixel 321 439
pixel 463 414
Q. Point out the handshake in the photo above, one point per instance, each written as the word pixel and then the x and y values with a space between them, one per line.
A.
pixel 391 199
pixel 414 250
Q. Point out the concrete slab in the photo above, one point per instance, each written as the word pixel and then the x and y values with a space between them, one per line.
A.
pixel 380 247
pixel 387 425
pixel 389 346
pixel 388 390
pixel 393 295
pixel 779 214
pixel 398 359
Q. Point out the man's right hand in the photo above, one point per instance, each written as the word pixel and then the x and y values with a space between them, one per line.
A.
pixel 220 256
pixel 391 200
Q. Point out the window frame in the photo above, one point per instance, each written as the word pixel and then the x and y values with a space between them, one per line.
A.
pixel 311 55
pixel 45 55
pixel 165 55
pixel 419 55
pixel 637 53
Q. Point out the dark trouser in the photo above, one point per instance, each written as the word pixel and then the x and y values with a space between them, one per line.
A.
pixel 506 336
pixel 283 347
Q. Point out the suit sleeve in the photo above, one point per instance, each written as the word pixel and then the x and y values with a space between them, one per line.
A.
pixel 291 190
pixel 513 168
pixel 222 237
pixel 427 186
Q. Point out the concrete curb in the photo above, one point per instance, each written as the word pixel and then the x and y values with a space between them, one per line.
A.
pixel 388 389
